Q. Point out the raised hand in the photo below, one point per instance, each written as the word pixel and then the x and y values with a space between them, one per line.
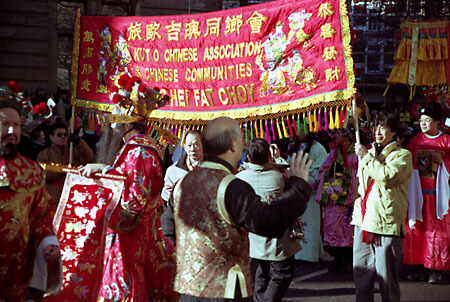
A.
pixel 300 165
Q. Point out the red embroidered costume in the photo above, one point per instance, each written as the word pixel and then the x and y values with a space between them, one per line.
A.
pixel 427 234
pixel 138 266
pixel 25 220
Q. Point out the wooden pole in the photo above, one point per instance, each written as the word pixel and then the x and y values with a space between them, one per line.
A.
pixel 72 123
pixel 355 116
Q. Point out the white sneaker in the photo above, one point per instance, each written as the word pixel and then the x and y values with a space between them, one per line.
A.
pixel 435 277
pixel 326 257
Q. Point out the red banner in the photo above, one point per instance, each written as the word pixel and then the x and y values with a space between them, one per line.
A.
pixel 80 222
pixel 277 57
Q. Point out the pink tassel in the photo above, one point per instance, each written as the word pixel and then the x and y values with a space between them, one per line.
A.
pixel 267 132
pixel 320 121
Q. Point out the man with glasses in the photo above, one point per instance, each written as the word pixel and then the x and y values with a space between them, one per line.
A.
pixel 192 158
pixel 427 242
pixel 58 153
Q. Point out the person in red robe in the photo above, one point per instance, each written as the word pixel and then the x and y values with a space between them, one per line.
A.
pixel 427 242
pixel 139 261
pixel 26 233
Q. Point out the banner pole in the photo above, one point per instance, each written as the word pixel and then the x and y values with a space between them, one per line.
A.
pixel 71 132
pixel 355 116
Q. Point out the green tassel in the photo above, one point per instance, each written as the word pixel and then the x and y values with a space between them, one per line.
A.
pixel 246 134
pixel 305 130
pixel 346 119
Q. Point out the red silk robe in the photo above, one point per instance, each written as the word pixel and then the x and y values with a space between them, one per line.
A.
pixel 139 262
pixel 428 242
pixel 26 214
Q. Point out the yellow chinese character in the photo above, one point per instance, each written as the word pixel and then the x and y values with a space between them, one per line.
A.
pixel 134 31
pixel 326 31
pixel 151 32
pixel 85 85
pixel 332 74
pixel 233 24
pixel 213 27
pixel 192 30
pixel 88 37
pixel 88 52
pixel 87 69
pixel 329 53
pixel 325 9
pixel 256 20
pixel 173 31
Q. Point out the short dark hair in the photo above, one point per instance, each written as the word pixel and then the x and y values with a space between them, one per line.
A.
pixel 389 119
pixel 220 143
pixel 11 104
pixel 194 132
pixel 258 151
pixel 57 125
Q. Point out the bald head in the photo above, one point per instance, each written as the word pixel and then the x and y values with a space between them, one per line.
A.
pixel 218 136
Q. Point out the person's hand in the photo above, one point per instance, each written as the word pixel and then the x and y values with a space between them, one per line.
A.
pixel 51 253
pixel 436 157
pixel 90 169
pixel 274 151
pixel 360 150
pixel 300 165
pixel 73 138
pixel 169 189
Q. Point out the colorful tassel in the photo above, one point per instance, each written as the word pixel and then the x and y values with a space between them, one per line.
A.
pixel 310 122
pixel 331 122
pixel 280 135
pixel 298 124
pixel 256 128
pixel 320 121
pixel 336 118
pixel 273 131
pixel 246 133
pixel 294 125
pixel 326 119
pixel 316 126
pixel 289 126
pixel 346 117
pixel 284 127
pixel 251 130
pixel 305 130
pixel 267 132
pixel 261 130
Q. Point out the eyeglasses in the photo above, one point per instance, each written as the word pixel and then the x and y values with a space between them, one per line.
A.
pixel 61 134
pixel 426 120
pixel 195 145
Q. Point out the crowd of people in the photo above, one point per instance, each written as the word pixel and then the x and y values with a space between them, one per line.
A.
pixel 187 229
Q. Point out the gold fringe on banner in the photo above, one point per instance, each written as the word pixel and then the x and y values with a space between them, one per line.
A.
pixel 188 120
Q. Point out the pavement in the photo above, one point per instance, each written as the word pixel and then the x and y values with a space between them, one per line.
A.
pixel 313 282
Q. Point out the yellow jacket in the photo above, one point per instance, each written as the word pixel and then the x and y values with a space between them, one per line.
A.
pixel 387 204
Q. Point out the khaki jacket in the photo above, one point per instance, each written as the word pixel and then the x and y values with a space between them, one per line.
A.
pixel 387 203
pixel 82 154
